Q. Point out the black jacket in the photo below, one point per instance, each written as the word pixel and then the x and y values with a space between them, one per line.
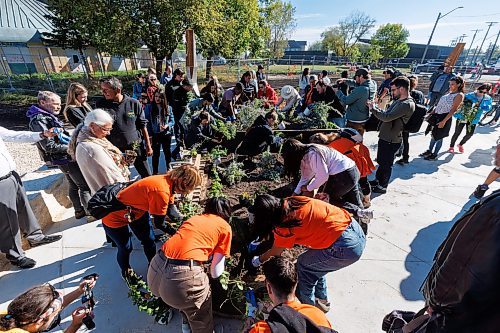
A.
pixel 170 87
pixel 329 97
pixel 464 282
pixel 257 138
pixel 76 114
pixel 129 121
pixel 197 133
pixel 51 150
pixel 180 102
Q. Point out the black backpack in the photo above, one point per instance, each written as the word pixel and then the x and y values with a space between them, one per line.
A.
pixel 104 201
pixel 416 119
pixel 284 319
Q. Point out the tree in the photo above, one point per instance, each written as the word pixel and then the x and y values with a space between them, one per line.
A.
pixel 392 39
pixel 316 46
pixel 70 29
pixel 343 38
pixel 278 17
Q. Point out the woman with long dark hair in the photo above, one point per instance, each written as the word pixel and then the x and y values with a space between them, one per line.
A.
pixel 335 240
pixel 320 166
pixel 303 81
pixel 215 89
pixel 176 273
pixel 161 119
pixel 440 120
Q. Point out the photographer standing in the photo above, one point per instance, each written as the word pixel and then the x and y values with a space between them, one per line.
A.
pixel 39 309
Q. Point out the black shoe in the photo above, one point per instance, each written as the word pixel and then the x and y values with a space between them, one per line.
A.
pixel 80 214
pixel 425 153
pixel 431 157
pixel 45 240
pixel 373 183
pixel 480 191
pixel 23 262
pixel 379 189
pixel 402 161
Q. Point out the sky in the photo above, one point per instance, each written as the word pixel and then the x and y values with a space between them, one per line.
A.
pixel 315 16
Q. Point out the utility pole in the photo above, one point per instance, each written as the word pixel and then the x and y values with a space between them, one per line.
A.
pixel 490 24
pixel 434 29
pixel 493 48
pixel 472 42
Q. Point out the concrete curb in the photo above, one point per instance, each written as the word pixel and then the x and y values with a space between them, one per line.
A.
pixel 48 197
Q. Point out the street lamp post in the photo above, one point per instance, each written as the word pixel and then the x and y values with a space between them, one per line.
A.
pixel 490 24
pixel 434 29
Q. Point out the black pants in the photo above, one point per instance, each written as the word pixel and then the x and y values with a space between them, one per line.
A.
pixel 386 153
pixel 141 163
pixel 364 186
pixel 406 145
pixel 343 187
pixel 459 127
pixel 161 141
pixel 79 191
pixel 179 133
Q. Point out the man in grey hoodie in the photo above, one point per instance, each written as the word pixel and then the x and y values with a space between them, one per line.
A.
pixel 390 134
pixel 365 89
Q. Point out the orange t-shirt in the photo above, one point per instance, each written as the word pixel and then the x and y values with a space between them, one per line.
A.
pixel 198 238
pixel 311 312
pixel 151 194
pixel 321 225
pixel 356 152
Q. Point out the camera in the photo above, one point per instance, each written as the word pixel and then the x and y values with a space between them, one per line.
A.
pixel 89 302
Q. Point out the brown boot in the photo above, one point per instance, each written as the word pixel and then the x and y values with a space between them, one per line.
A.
pixel 366 201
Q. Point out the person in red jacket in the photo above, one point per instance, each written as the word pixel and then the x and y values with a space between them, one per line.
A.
pixel 267 93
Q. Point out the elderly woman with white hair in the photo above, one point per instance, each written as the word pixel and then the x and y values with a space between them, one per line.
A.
pixel 100 161
pixel 290 96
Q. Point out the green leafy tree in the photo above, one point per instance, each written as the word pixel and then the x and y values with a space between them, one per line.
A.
pixel 279 18
pixel 392 39
pixel 316 46
pixel 343 39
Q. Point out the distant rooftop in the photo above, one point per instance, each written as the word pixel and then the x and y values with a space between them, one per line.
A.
pixel 23 20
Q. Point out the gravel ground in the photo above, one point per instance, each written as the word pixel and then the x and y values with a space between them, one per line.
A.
pixel 26 156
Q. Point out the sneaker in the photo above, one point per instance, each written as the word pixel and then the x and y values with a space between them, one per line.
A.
pixel 402 161
pixel 425 153
pixel 461 148
pixel 323 305
pixel 44 240
pixel 130 277
pixel 431 157
pixel 373 183
pixel 480 191
pixel 23 262
pixel 451 150
pixel 80 214
pixel 379 189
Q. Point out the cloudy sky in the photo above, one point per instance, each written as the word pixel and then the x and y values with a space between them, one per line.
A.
pixel 314 16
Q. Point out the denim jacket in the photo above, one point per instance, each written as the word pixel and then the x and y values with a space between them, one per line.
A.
pixel 154 122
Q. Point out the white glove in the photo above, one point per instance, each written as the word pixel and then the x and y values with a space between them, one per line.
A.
pixel 256 261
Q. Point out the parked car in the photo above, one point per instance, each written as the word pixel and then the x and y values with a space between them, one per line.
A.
pixel 219 60
pixel 428 67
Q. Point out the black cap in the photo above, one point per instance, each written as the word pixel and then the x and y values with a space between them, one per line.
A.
pixel 389 71
pixel 260 67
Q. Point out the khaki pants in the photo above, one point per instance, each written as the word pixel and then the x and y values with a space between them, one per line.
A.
pixel 184 288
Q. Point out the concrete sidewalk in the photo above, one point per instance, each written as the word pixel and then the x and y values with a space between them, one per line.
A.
pixel 422 202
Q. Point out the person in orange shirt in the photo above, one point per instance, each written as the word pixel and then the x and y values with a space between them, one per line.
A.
pixel 335 240
pixel 176 273
pixel 151 195
pixel 288 313
pixel 350 143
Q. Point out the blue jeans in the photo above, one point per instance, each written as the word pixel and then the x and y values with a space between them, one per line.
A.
pixel 437 143
pixel 143 230
pixel 340 122
pixel 313 265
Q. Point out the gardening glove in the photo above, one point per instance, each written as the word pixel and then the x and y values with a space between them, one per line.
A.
pixel 253 246
pixel 256 261
pixel 173 213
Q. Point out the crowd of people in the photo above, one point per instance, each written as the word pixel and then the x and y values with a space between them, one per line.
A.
pixel 328 212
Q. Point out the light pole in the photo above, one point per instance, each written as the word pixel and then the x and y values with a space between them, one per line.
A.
pixel 485 35
pixel 470 46
pixel 493 48
pixel 434 29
